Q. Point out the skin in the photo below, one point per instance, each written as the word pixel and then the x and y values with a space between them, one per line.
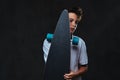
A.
pixel 73 22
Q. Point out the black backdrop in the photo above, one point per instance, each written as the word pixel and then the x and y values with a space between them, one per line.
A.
pixel 24 24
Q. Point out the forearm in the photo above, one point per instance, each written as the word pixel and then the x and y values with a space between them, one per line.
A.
pixel 80 71
pixel 73 74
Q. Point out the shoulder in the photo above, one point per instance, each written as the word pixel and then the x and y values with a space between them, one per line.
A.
pixel 80 39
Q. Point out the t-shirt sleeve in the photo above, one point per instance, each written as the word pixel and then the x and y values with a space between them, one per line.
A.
pixel 83 60
pixel 46 46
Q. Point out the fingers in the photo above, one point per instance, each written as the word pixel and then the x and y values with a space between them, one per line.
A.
pixel 67 77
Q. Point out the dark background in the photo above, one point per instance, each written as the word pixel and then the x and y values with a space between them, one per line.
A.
pixel 24 24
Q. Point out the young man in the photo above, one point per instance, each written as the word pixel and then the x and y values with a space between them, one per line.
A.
pixel 79 59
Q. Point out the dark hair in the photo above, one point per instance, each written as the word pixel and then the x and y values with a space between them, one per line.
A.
pixel 77 10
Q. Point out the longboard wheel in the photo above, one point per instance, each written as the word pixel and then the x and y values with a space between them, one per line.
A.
pixel 49 37
pixel 75 40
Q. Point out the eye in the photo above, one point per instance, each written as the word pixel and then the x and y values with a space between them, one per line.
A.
pixel 71 20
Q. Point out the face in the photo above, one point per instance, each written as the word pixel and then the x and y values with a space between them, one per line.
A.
pixel 73 21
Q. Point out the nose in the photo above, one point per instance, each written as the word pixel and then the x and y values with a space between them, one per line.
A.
pixel 73 24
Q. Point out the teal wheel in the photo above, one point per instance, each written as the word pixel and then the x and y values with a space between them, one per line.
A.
pixel 75 40
pixel 49 37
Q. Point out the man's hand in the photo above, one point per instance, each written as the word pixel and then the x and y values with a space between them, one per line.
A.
pixel 69 76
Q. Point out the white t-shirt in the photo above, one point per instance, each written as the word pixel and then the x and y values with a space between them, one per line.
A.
pixel 78 54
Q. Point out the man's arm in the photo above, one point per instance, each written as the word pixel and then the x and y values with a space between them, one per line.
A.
pixel 79 72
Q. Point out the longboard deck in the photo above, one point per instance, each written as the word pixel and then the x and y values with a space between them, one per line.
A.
pixel 58 62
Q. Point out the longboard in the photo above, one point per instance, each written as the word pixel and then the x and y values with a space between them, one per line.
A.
pixel 58 61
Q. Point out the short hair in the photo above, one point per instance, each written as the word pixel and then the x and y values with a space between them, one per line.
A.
pixel 77 10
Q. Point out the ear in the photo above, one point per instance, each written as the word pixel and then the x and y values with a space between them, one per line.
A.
pixel 79 19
